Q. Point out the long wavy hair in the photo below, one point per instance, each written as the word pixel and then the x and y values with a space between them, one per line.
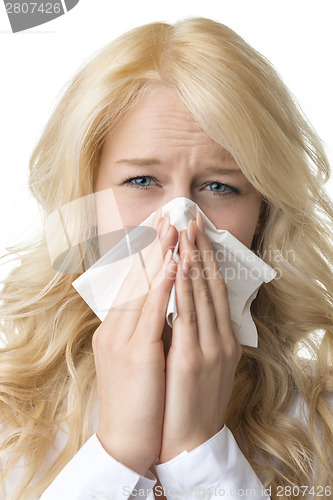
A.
pixel 47 371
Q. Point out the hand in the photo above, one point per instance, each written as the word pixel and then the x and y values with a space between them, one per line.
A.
pixel 204 352
pixel 130 363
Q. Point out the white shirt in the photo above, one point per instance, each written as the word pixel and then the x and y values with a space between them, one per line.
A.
pixel 216 469
pixel 216 464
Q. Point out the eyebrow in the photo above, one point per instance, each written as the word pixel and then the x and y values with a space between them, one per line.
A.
pixel 141 162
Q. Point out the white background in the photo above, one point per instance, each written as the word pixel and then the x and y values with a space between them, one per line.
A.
pixel 295 35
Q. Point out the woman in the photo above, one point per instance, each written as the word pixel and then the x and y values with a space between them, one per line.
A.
pixel 159 113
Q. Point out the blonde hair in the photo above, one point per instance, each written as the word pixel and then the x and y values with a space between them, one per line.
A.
pixel 47 370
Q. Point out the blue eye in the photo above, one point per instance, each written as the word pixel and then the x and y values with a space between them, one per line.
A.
pixel 144 182
pixel 223 189
pixel 140 185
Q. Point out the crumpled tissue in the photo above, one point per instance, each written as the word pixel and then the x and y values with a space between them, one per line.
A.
pixel 243 271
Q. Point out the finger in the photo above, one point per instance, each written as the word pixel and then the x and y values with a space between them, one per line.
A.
pixel 143 269
pixel 126 308
pixel 152 316
pixel 206 323
pixel 215 282
pixel 184 328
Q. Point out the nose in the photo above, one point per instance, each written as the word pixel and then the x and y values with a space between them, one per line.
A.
pixel 181 207
pixel 178 192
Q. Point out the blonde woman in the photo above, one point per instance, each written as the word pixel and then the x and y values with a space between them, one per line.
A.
pixel 166 111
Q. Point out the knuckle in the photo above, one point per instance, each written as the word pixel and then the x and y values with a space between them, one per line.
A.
pixel 224 353
pixel 132 359
pixel 104 342
pixel 148 308
pixel 222 284
pixel 215 355
pixel 204 294
pixel 189 316
pixel 233 352
pixel 192 362
pixel 98 339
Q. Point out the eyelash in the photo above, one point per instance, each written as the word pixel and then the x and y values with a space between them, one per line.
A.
pixel 234 189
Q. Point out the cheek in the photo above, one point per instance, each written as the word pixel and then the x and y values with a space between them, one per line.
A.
pixel 122 204
pixel 239 218
pixel 134 209
pixel 115 212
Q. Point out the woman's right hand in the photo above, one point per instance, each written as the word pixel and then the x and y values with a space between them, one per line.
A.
pixel 130 363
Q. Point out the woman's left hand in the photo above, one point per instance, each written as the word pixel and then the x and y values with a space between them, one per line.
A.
pixel 204 352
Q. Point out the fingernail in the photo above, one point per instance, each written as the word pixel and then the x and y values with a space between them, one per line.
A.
pixel 157 218
pixel 200 223
pixel 191 231
pixel 165 227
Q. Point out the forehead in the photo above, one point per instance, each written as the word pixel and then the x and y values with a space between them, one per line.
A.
pixel 162 105
pixel 160 119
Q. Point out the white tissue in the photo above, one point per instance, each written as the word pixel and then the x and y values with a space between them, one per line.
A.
pixel 243 271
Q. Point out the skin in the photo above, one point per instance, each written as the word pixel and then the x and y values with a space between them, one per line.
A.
pixel 160 127
pixel 162 391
